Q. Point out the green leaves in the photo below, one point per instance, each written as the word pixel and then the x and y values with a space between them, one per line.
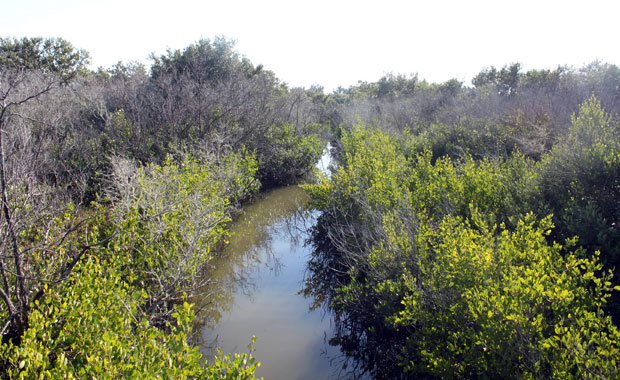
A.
pixel 121 313
pixel 170 217
pixel 52 55
pixel 93 328
pixel 578 182
pixel 290 151
pixel 513 292
pixel 445 259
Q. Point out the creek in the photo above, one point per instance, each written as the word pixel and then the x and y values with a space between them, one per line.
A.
pixel 257 281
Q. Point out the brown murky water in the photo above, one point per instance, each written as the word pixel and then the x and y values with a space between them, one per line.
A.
pixel 258 280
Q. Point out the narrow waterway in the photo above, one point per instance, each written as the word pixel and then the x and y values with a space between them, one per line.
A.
pixel 256 292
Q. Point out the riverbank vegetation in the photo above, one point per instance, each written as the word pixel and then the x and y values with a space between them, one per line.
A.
pixel 479 247
pixel 467 232
pixel 117 188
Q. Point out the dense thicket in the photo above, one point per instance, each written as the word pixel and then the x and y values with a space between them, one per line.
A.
pixel 510 112
pixel 469 232
pixel 504 110
pixel 472 232
pixel 97 289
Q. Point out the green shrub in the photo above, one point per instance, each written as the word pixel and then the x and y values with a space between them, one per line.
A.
pixel 580 182
pixel 91 326
pixel 503 304
pixel 121 311
pixel 289 152
pixel 441 264
pixel 170 217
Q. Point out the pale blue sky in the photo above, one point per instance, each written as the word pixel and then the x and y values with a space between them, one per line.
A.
pixel 336 43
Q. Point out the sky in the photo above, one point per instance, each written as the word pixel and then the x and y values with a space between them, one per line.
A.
pixel 335 43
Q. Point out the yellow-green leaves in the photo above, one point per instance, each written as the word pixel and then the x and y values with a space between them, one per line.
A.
pixel 100 322
pixel 92 328
pixel 171 216
pixel 514 292
pixel 447 260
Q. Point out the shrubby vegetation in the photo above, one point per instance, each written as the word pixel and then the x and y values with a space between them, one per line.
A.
pixel 117 187
pixel 208 97
pixel 441 266
pixel 468 232
pixel 91 326
pixel 505 109
pixel 169 218
pixel 118 307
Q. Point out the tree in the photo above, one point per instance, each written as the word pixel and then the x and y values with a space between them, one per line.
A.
pixel 50 56
pixel 506 80
pixel 170 217
pixel 39 243
pixel 204 61
pixel 439 269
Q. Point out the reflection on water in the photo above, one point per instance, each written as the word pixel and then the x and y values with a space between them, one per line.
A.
pixel 365 345
pixel 250 252
pixel 256 286
pixel 255 292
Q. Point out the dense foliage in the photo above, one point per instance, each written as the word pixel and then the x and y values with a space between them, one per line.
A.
pixel 117 187
pixel 169 218
pixel 468 232
pixel 120 311
pixel 506 108
pixel 92 327
pixel 452 268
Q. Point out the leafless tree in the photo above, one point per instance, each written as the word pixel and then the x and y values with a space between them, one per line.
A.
pixel 38 238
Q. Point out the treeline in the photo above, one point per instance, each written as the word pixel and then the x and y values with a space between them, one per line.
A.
pixel 117 186
pixel 204 98
pixel 459 235
pixel 504 110
pixel 473 232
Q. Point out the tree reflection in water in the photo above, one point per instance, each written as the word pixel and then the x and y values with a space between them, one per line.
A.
pixel 255 291
pixel 368 349
pixel 250 249
pixel 278 265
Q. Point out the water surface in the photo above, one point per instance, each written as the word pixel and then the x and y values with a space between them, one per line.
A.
pixel 256 293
